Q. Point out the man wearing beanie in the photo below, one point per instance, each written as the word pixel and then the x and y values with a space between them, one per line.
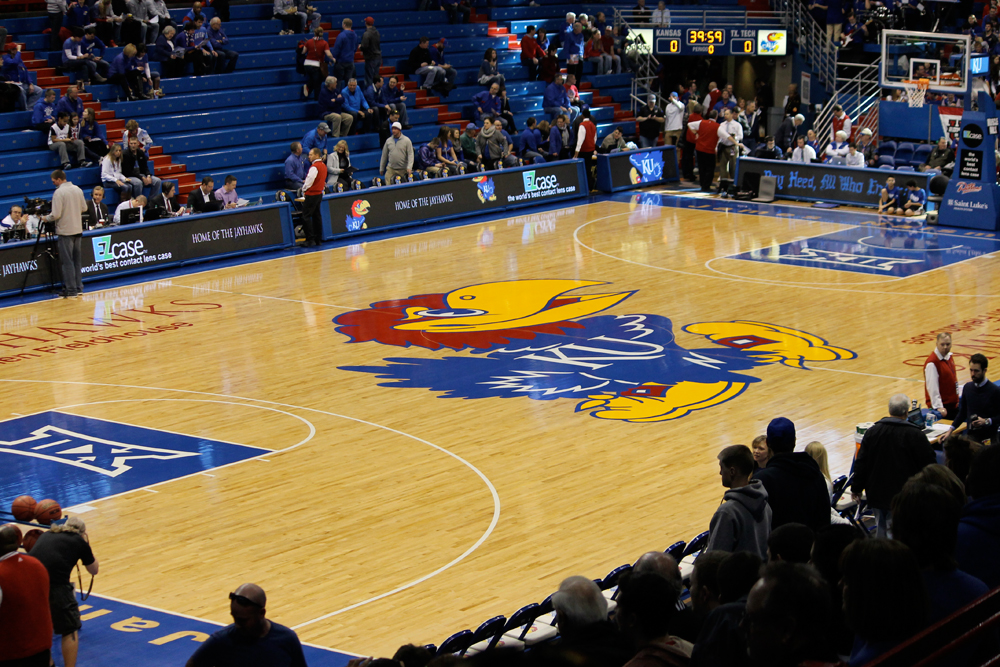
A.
pixel 371 49
pixel 796 489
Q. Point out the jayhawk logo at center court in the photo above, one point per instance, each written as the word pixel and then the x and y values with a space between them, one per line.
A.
pixel 486 189
pixel 532 338
pixel 355 220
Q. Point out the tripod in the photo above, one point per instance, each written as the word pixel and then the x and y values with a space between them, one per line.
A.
pixel 45 246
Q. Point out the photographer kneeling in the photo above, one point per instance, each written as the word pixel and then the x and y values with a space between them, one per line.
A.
pixel 68 207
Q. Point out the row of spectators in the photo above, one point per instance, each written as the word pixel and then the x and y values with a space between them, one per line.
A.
pixel 779 583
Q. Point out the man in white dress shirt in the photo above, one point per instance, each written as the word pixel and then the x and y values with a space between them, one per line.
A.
pixel 730 142
pixel 138 202
pixel 803 152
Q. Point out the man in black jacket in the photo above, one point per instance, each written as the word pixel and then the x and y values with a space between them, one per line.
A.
pixel 203 199
pixel 135 167
pixel 892 451
pixel 979 404
pixel 796 489
pixel 166 203
pixel 787 131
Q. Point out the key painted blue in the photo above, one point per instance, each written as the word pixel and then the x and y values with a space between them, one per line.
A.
pixel 877 250
pixel 77 459
pixel 120 633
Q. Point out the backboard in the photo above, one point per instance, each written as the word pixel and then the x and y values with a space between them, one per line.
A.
pixel 941 58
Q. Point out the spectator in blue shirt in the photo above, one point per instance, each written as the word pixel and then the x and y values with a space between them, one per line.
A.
pixel 343 52
pixel 458 10
pixel 77 15
pixel 573 43
pixel 15 71
pixel 438 59
pixel 317 139
pixel 124 75
pixel 220 44
pixel 393 97
pixel 94 47
pixel 373 95
pixel 487 103
pixel 43 115
pixel 331 105
pixel 71 103
pixel 356 105
pixel 725 102
pixel 914 199
pixel 74 60
pixel 198 39
pixel 295 168
pixel 556 100
pixel 529 142
pixel 542 39
pixel 560 139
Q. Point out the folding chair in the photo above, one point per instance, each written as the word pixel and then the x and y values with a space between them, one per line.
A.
pixel 458 643
pixel 487 635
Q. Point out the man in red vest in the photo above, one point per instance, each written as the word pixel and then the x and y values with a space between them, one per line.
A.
pixel 25 619
pixel 312 188
pixel 586 144
pixel 940 378
pixel 841 121
pixel 706 142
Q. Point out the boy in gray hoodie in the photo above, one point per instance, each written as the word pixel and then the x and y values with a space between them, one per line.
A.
pixel 743 521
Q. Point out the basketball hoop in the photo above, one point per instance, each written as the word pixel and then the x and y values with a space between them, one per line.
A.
pixel 916 90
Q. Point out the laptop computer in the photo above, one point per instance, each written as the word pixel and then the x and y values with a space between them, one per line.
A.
pixel 916 417
pixel 131 216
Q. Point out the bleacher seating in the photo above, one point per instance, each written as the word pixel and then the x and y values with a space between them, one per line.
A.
pixel 241 123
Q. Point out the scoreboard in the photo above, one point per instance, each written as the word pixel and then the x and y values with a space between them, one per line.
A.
pixel 719 42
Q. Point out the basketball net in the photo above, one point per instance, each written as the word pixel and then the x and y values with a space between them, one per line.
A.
pixel 916 90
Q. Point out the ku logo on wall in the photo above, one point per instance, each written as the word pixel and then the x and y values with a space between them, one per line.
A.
pixel 534 339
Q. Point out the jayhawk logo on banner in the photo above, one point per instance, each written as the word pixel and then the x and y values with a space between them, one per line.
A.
pixel 355 220
pixel 532 338
pixel 486 190
pixel 646 167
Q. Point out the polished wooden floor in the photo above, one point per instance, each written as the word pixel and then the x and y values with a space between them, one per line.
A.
pixel 397 516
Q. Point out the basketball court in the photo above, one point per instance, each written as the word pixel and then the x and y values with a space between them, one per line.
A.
pixel 401 438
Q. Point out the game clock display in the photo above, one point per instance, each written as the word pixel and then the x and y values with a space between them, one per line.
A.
pixel 719 42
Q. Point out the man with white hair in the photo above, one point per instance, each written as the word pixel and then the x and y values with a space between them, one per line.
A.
pixel 838 149
pixel 892 451
pixel 587 634
pixel 59 550
pixel 220 44
pixel 785 136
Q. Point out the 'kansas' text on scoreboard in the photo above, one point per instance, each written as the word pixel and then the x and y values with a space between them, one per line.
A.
pixel 720 42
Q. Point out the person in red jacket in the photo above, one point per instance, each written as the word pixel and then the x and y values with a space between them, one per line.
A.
pixel 312 188
pixel 25 619
pixel 586 145
pixel 706 142
pixel 531 53
pixel 941 379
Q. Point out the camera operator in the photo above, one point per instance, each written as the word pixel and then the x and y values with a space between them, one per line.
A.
pixel 59 550
pixel 68 207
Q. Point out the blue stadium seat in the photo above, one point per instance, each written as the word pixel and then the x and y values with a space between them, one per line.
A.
pixel 887 148
pixel 458 643
pixel 904 152
pixel 676 550
pixel 920 155
pixel 886 161
pixel 905 167
pixel 889 167
pixel 520 621
pixel 697 543
pixel 611 579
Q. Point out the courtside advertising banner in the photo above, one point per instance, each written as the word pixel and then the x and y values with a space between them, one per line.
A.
pixel 438 199
pixel 824 182
pixel 153 245
pixel 636 169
